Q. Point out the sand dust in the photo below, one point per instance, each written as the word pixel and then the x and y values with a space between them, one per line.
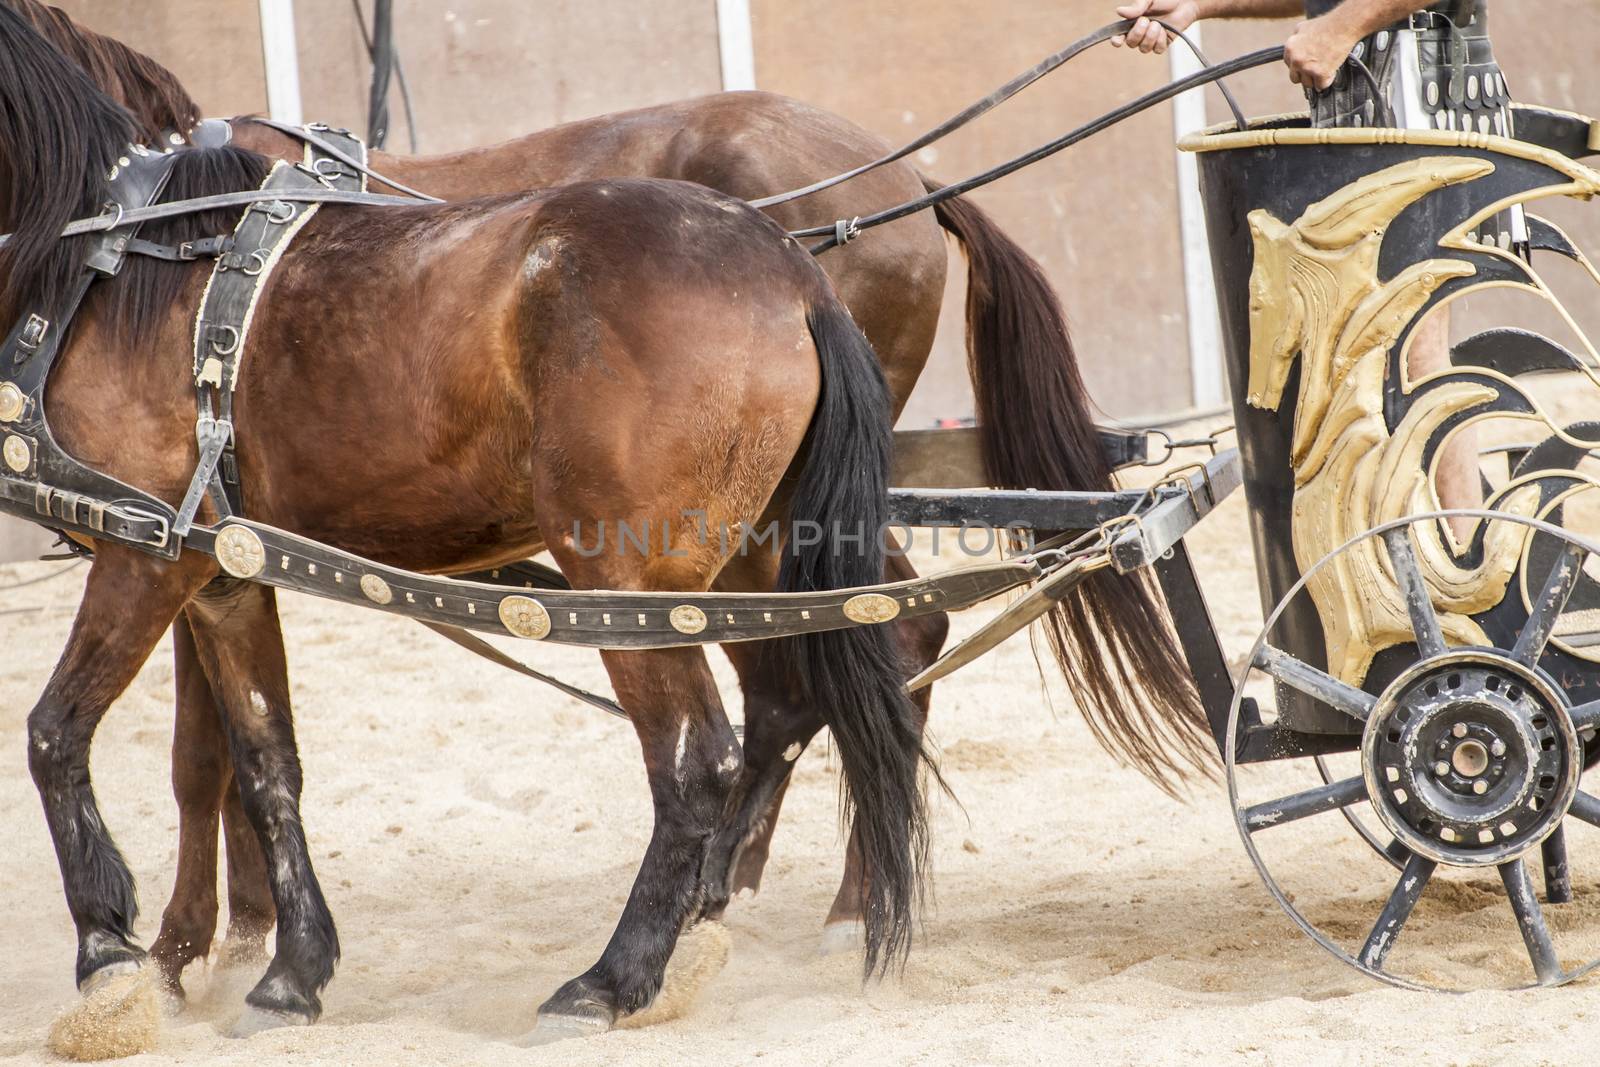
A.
pixel 122 1017
pixel 476 835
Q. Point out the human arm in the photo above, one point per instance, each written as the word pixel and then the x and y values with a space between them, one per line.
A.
pixel 1147 35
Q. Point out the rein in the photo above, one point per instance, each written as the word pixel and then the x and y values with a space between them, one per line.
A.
pixel 844 231
pixel 995 99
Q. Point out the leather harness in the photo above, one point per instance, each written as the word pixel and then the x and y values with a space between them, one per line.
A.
pixel 42 482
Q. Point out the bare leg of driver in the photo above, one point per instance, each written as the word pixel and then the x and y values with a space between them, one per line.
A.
pixel 1456 476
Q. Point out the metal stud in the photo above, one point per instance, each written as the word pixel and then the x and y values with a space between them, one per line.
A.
pixel 240 552
pixel 687 619
pixel 12 402
pixel 525 617
pixel 376 589
pixel 868 608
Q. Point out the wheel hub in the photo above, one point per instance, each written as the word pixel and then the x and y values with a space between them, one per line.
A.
pixel 1470 758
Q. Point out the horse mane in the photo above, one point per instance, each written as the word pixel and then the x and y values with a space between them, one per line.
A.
pixel 60 138
pixel 152 93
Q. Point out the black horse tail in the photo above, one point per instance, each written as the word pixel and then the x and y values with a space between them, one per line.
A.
pixel 1113 638
pixel 855 677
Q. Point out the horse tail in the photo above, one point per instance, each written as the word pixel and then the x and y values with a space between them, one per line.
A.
pixel 1037 432
pixel 854 677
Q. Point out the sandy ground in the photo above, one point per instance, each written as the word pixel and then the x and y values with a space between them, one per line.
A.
pixel 476 835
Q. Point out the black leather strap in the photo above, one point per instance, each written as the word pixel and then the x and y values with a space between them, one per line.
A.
pixel 187 252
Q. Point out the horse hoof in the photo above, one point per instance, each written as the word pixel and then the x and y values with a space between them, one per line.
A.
pixel 118 1015
pixel 101 978
pixel 255 1020
pixel 552 1028
pixel 839 938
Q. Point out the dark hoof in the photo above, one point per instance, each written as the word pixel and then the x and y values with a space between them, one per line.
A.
pixel 255 1020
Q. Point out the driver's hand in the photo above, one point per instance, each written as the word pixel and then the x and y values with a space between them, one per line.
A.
pixel 1147 34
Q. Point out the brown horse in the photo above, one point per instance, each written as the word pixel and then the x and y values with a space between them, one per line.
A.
pixel 613 372
pixel 1034 418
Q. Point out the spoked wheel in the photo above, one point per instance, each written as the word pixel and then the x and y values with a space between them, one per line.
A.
pixel 1470 759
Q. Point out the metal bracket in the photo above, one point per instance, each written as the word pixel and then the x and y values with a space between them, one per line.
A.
pixel 214 435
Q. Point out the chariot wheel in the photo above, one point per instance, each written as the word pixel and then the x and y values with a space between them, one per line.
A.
pixel 1467 774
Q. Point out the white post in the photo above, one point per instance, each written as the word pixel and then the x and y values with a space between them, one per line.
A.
pixel 736 43
pixel 1200 291
pixel 282 59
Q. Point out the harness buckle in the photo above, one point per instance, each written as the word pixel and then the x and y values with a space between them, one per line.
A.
pixel 31 336
pixel 278 212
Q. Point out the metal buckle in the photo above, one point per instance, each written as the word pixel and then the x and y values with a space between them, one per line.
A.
pixel 258 259
pixel 163 525
pixel 278 212
pixel 31 336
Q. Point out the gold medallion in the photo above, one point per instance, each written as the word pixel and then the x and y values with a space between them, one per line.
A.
pixel 525 617
pixel 17 453
pixel 871 608
pixel 240 553
pixel 11 402
pixel 376 589
pixel 687 619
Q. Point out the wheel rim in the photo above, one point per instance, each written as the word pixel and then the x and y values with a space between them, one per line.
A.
pixel 1522 745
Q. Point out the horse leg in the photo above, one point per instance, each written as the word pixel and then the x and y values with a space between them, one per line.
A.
pixel 200 773
pixel 251 913
pixel 240 646
pixel 777 730
pixel 203 785
pixel 129 601
pixel 692 758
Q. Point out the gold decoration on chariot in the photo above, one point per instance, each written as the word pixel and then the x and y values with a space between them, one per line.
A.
pixel 868 608
pixel 11 402
pixel 687 619
pixel 1316 296
pixel 376 589
pixel 240 552
pixel 17 453
pixel 525 617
